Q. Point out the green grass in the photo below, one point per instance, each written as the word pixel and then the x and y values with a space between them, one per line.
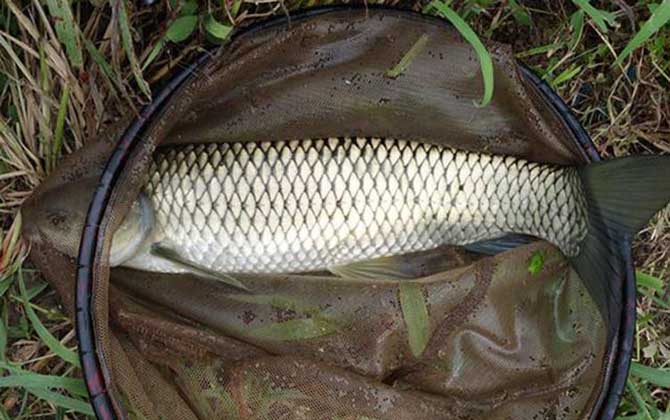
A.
pixel 660 16
pixel 65 76
pixel 466 31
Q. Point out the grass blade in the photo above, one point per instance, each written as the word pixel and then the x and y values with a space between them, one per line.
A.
pixel 188 7
pixel 295 329
pixel 181 28
pixel 66 30
pixel 10 243
pixel 127 41
pixel 536 263
pixel 466 31
pixel 5 284
pixel 656 376
pixel 34 291
pixel 538 50
pixel 639 401
pixel 519 13
pixel 36 381
pixel 54 345
pixel 407 59
pixel 566 75
pixel 107 70
pixel 660 17
pixel 415 314
pixel 63 401
pixel 235 8
pixel 154 53
pixel 649 281
pixel 217 29
pixel 577 25
pixel 601 18
pixel 60 126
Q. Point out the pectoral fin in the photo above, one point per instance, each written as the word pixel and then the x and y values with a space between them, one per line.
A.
pixel 173 256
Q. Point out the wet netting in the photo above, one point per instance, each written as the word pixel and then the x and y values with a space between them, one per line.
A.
pixel 471 337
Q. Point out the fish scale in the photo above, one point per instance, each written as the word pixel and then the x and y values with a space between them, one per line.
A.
pixel 302 205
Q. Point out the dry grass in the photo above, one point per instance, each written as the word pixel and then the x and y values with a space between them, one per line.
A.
pixel 52 100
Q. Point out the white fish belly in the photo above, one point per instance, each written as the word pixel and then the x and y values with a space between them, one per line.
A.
pixel 273 207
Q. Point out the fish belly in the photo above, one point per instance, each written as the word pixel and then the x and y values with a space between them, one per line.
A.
pixel 303 205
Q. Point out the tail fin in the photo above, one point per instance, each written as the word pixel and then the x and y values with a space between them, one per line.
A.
pixel 622 195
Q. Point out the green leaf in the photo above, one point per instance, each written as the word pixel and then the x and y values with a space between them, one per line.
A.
pixel 295 329
pixel 519 13
pixel 600 17
pixel 37 381
pixel 659 377
pixel 24 378
pixel 648 281
pixel 536 262
pixel 466 31
pixel 63 401
pixel 127 42
pixel 577 25
pixel 155 52
pixel 415 313
pixel 99 59
pixel 235 9
pixel 54 345
pixel 409 56
pixel 181 28
pixel 660 17
pixel 566 75
pixel 60 126
pixel 189 7
pixel 36 290
pixel 66 30
pixel 641 405
pixel 217 29
pixel 538 50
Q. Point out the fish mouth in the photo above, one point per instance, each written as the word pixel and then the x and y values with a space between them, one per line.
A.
pixel 30 231
pixel 133 233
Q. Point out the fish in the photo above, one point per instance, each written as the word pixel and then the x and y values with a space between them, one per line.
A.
pixel 317 204
pixel 350 205
pixel 361 208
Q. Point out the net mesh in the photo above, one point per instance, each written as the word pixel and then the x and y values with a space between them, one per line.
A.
pixel 504 342
pixel 500 342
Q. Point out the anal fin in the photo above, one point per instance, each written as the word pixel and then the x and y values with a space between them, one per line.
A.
pixel 498 245
pixel 397 267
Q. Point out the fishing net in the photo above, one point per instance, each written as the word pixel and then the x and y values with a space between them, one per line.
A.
pixel 472 337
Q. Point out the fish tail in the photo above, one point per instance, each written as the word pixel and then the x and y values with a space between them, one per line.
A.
pixel 621 196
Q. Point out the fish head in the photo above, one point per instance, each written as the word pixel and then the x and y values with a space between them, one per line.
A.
pixel 56 218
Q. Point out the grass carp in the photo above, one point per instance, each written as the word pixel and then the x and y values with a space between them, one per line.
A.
pixel 306 205
pixel 356 206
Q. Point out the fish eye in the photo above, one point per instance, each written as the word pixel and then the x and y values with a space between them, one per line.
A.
pixel 57 218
